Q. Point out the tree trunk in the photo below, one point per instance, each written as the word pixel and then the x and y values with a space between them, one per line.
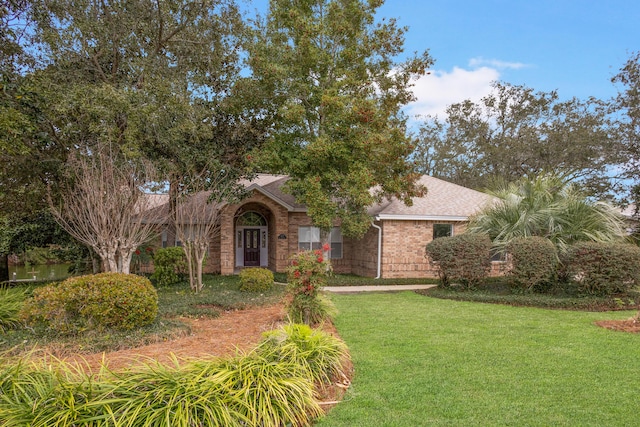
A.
pixel 202 250
pixel 4 267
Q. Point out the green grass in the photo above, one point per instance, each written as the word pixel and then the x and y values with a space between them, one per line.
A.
pixel 424 361
pixel 219 293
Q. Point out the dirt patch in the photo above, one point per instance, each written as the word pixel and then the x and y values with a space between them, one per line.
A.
pixel 629 325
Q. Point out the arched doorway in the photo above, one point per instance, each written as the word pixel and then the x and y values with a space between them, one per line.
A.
pixel 251 235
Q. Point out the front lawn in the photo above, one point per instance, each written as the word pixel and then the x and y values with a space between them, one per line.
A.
pixel 425 361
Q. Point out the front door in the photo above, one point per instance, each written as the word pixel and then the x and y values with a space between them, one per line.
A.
pixel 251 247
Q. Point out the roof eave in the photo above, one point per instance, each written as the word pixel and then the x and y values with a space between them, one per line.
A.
pixel 276 199
pixel 400 217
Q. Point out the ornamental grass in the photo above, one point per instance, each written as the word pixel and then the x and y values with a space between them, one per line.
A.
pixel 274 385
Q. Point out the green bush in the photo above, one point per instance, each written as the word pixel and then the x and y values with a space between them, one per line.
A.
pixel 169 266
pixel 106 300
pixel 306 275
pixel 603 268
pixel 465 258
pixel 256 280
pixel 534 261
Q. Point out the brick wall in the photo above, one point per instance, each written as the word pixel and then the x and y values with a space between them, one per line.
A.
pixel 403 248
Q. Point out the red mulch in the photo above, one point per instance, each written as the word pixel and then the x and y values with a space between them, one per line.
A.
pixel 222 336
pixel 629 325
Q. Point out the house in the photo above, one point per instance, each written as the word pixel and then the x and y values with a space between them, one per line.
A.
pixel 269 226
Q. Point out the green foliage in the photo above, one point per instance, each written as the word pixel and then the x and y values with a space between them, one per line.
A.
pixel 603 268
pixel 548 206
pixel 256 280
pixel 340 133
pixel 169 266
pixel 11 301
pixel 533 262
pixel 627 105
pixel 306 275
pixel 465 258
pixel 320 353
pixel 515 131
pixel 106 300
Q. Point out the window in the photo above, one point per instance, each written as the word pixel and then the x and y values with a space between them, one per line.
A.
pixel 442 230
pixel 309 238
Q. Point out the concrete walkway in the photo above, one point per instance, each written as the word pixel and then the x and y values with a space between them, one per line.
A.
pixel 385 288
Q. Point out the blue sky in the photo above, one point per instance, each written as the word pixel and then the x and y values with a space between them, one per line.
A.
pixel 570 45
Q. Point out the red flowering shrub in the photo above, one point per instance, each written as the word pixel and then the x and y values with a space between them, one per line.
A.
pixel 306 275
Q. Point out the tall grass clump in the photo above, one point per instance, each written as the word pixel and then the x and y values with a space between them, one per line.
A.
pixel 11 301
pixel 175 396
pixel 270 393
pixel 320 353
pixel 58 394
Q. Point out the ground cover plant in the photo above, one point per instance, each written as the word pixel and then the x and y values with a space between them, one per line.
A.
pixel 427 361
pixel 565 296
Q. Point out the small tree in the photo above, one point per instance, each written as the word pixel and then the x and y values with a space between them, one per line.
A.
pixel 103 206
pixel 197 215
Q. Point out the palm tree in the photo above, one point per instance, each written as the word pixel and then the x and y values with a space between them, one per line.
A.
pixel 548 206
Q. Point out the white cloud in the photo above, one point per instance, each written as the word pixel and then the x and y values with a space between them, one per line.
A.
pixel 495 63
pixel 439 89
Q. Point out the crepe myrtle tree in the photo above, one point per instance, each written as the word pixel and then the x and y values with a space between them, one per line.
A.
pixel 199 205
pixel 103 205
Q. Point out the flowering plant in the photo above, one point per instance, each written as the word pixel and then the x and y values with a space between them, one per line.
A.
pixel 306 274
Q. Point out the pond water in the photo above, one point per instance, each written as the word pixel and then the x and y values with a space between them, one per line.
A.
pixel 41 272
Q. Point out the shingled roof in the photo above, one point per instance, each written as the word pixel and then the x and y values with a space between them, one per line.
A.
pixel 443 200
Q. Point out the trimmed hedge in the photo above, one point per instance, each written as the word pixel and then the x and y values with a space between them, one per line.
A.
pixel 465 258
pixel 256 280
pixel 534 261
pixel 603 268
pixel 105 300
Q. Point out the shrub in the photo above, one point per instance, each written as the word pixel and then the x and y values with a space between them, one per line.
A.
pixel 306 275
pixel 256 280
pixel 603 268
pixel 465 258
pixel 534 261
pixel 106 300
pixel 317 351
pixel 169 266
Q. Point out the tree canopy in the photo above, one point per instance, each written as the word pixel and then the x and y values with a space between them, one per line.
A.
pixel 515 132
pixel 627 104
pixel 336 91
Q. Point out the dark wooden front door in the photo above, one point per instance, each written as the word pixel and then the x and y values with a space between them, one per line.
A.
pixel 251 247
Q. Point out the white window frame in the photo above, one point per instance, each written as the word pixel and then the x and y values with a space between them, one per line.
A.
pixel 310 238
